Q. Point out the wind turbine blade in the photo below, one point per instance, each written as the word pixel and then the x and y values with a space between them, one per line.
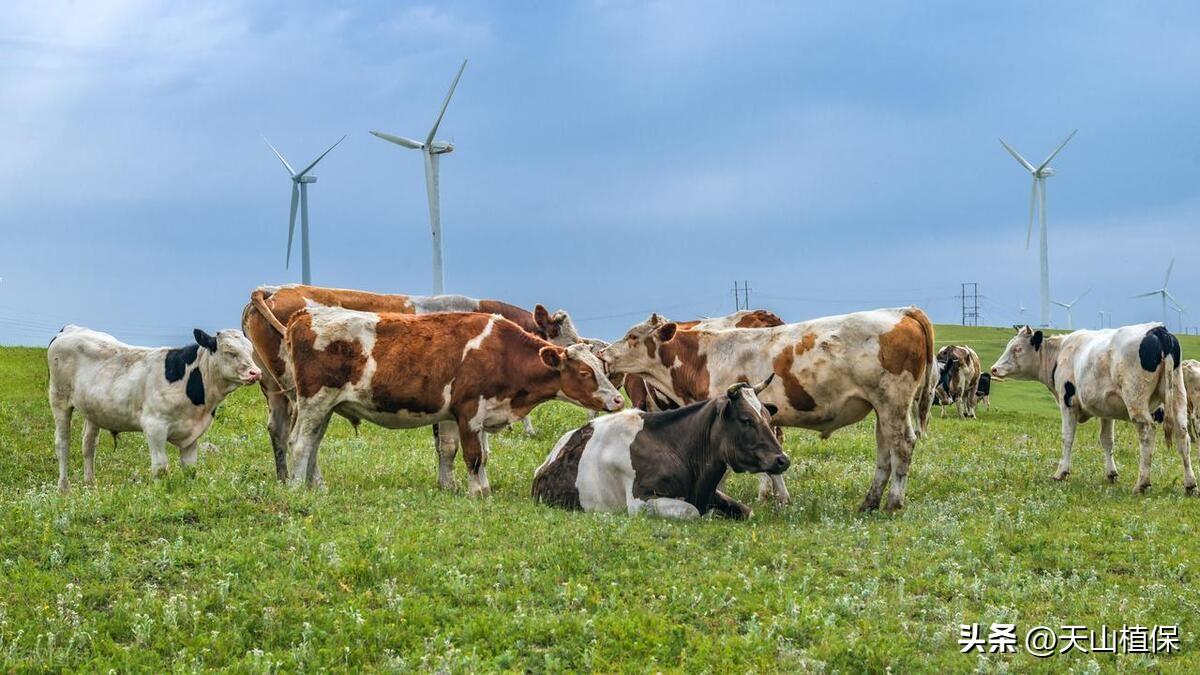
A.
pixel 292 223
pixel 1172 299
pixel 1017 156
pixel 290 170
pixel 399 140
pixel 1033 193
pixel 1169 269
pixel 1081 295
pixel 314 162
pixel 1060 147
pixel 1145 295
pixel 1064 306
pixel 438 122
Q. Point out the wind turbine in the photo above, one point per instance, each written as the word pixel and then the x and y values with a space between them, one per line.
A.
pixel 432 149
pixel 300 182
pixel 1038 193
pixel 1163 292
pixel 1068 305
pixel 1182 310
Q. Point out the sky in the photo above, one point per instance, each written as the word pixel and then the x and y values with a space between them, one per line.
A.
pixel 611 158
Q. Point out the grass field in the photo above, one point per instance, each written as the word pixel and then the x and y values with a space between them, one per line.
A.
pixel 383 571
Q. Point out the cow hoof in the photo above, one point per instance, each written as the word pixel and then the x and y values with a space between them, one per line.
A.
pixel 480 491
pixel 893 507
pixel 1140 489
pixel 868 506
pixel 64 485
pixel 1189 490
pixel 448 485
pixel 1112 477
pixel 1059 475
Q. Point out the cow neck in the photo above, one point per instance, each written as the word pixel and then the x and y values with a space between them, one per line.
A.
pixel 216 388
pixel 668 352
pixel 1048 354
pixel 538 382
pixel 691 442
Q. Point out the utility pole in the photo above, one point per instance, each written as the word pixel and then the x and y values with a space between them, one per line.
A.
pixel 741 301
pixel 970 303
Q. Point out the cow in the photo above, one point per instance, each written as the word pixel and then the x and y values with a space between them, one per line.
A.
pixel 270 307
pixel 1191 383
pixel 170 395
pixel 663 463
pixel 830 373
pixel 645 397
pixel 983 393
pixel 1122 373
pixel 480 371
pixel 958 379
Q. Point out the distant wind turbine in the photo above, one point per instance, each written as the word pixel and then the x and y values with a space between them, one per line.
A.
pixel 300 182
pixel 1068 305
pixel 1038 194
pixel 432 149
pixel 1182 311
pixel 1162 292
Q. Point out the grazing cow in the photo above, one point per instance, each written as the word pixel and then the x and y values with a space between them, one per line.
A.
pixel 663 463
pixel 645 397
pixel 270 308
pixel 830 373
pixel 958 379
pixel 480 371
pixel 1114 374
pixel 1191 383
pixel 170 395
pixel 984 391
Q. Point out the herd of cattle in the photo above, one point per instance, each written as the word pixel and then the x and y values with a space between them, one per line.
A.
pixel 709 396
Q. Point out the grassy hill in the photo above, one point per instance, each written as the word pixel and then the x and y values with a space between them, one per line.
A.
pixel 384 571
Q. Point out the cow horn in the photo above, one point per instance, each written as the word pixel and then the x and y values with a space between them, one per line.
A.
pixel 735 389
pixel 758 388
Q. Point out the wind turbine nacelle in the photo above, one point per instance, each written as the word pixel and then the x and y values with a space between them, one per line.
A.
pixel 1047 172
pixel 306 179
pixel 441 148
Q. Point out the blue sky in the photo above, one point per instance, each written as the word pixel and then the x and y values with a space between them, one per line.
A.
pixel 612 158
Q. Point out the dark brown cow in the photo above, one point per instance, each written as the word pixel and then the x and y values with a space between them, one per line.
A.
pixel 270 308
pixel 480 371
pixel 830 372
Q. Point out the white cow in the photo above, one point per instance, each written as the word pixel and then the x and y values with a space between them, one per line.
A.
pixel 1191 382
pixel 170 395
pixel 1124 373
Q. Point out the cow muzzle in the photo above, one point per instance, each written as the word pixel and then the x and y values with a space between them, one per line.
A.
pixel 252 376
pixel 615 403
pixel 781 464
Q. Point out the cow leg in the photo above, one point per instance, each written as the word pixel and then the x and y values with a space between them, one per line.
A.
pixel 303 444
pixel 156 437
pixel 902 439
pixel 1145 432
pixel 769 485
pixel 279 426
pixel 90 433
pixel 446 434
pixel 529 430
pixel 1175 430
pixel 666 507
pixel 883 468
pixel 188 456
pixel 1106 442
pixel 62 442
pixel 728 507
pixel 1068 439
pixel 475 451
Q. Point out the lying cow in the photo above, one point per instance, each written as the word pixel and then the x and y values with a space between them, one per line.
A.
pixel 665 463
pixel 1191 382
pixel 170 395
pixel 958 379
pixel 830 373
pixel 400 371
pixel 1114 374
pixel 271 307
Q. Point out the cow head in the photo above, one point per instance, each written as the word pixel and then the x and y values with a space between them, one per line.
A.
pixel 637 352
pixel 231 354
pixel 742 434
pixel 1020 359
pixel 582 379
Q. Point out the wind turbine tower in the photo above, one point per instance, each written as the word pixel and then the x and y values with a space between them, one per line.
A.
pixel 432 150
pixel 300 182
pixel 1037 202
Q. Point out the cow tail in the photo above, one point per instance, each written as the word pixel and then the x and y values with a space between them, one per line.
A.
pixel 925 394
pixel 1173 372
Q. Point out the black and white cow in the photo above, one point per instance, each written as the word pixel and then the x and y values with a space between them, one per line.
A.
pixel 663 463
pixel 983 393
pixel 170 395
pixel 1124 373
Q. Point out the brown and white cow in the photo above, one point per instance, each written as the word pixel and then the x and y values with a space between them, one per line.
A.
pixel 1122 373
pixel 1191 383
pixel 663 463
pixel 958 379
pixel 480 371
pixel 270 308
pixel 829 373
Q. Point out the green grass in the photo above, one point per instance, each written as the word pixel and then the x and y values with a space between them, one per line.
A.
pixel 383 571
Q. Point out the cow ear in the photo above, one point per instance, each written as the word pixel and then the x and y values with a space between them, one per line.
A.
pixel 552 356
pixel 1024 330
pixel 540 316
pixel 1036 340
pixel 205 340
pixel 772 409
pixel 666 332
